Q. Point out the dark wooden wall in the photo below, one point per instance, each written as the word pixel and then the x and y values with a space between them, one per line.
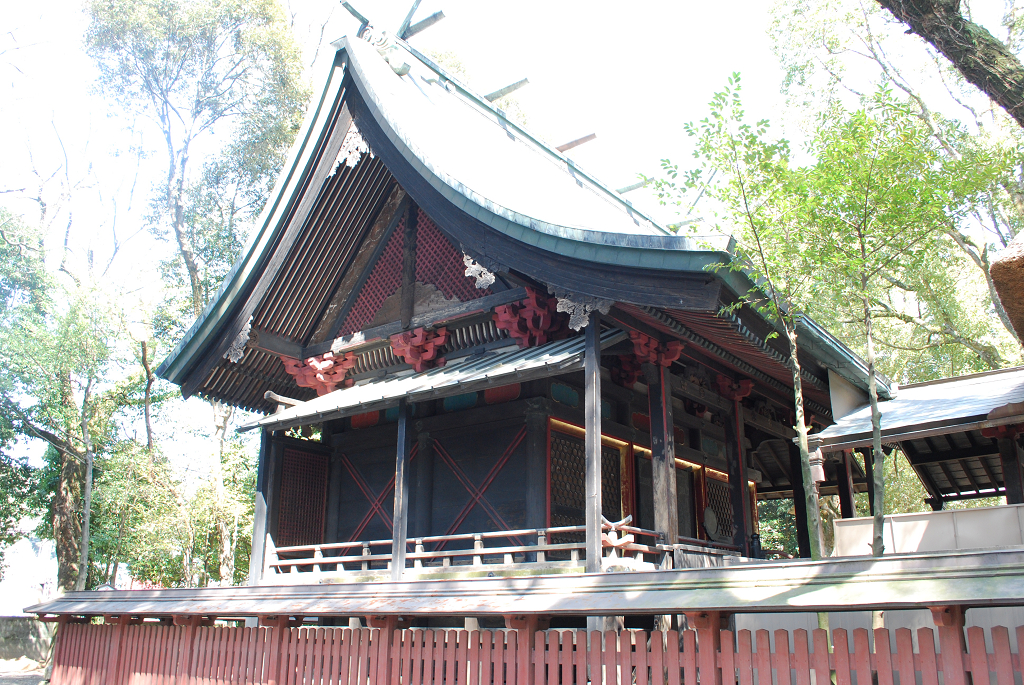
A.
pixel 481 463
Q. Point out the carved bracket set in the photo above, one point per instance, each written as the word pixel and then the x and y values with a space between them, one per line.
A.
pixel 650 351
pixel 419 348
pixel 733 391
pixel 532 321
pixel 323 373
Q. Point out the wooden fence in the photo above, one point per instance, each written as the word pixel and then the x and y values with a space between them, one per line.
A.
pixel 164 654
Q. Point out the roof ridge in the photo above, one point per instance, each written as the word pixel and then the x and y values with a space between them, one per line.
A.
pixel 965 377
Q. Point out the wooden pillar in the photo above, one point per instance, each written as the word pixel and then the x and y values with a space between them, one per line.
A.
pixel 844 478
pixel 952 646
pixel 401 516
pixel 708 625
pixel 1010 459
pixel 335 481
pixel 869 470
pixel 803 535
pixel 422 502
pixel 592 411
pixel 536 463
pixel 260 511
pixel 663 452
pixel 739 495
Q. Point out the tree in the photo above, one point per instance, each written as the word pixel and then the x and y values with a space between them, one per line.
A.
pixel 835 50
pixel 876 202
pixel 760 196
pixel 195 69
pixel 979 56
pixel 17 482
pixel 204 71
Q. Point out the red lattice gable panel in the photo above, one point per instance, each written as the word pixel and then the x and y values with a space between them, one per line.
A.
pixel 438 263
pixel 441 264
pixel 384 281
pixel 303 498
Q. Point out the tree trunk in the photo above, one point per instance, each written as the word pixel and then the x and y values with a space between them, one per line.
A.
pixel 147 398
pixel 810 493
pixel 83 560
pixel 226 554
pixel 66 529
pixel 978 55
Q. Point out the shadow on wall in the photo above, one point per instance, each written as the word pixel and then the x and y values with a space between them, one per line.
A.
pixel 24 636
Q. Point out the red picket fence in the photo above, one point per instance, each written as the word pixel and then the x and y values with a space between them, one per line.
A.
pixel 162 654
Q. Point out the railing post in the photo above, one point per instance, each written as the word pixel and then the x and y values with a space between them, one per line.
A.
pixel 612 537
pixel 478 544
pixel 542 540
pixel 366 553
pixel 269 556
pixel 317 554
pixel 418 563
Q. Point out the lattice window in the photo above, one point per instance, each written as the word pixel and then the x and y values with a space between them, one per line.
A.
pixel 303 498
pixel 439 263
pixel 383 282
pixel 721 503
pixel 568 485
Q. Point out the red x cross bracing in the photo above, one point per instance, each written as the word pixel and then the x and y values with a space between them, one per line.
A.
pixel 476 494
pixel 375 500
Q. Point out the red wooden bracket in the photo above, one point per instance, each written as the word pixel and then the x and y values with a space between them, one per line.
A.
pixel 626 371
pixel 650 351
pixel 1003 432
pixel 419 348
pixel 323 373
pixel 532 321
pixel 733 391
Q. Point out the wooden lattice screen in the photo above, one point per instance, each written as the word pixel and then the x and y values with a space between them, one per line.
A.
pixel 568 489
pixel 719 499
pixel 303 498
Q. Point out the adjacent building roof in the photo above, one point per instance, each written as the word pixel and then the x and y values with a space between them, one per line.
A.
pixel 949 405
pixel 941 426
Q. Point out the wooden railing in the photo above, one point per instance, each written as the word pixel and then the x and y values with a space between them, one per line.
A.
pixel 469 550
pixel 125 654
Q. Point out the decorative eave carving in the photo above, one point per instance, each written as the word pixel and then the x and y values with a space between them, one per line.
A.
pixel 235 353
pixel 323 373
pixel 352 149
pixel 580 307
pixel 419 348
pixel 532 321
pixel 484 278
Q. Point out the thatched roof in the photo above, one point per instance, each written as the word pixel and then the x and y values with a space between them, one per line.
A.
pixel 1007 269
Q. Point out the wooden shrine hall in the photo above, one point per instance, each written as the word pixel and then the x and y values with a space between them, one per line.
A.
pixel 497 402
pixel 475 359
